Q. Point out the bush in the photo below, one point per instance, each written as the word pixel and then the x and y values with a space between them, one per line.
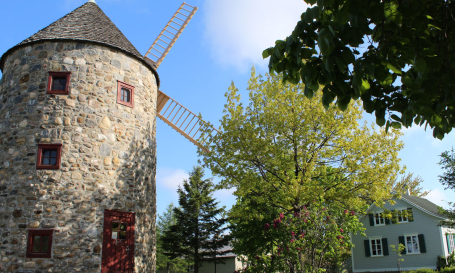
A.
pixel 422 270
pixel 448 270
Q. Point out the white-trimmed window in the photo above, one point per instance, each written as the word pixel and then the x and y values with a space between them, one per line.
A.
pixel 379 219
pixel 450 243
pixel 376 249
pixel 402 215
pixel 191 267
pixel 412 243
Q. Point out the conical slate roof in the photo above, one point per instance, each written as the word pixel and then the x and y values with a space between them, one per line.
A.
pixel 86 23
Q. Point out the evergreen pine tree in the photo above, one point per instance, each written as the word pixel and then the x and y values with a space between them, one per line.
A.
pixel 171 262
pixel 197 234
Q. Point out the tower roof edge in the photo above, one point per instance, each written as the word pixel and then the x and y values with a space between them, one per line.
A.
pixel 86 23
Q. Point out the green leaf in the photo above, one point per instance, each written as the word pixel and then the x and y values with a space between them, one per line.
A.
pixel 343 103
pixel 323 42
pixel 365 85
pixel 406 80
pixel 327 97
pixel 393 68
pixel 311 2
pixel 266 53
pixel 347 56
pixel 380 121
pixel 420 65
pixel 395 117
pixel 396 125
pixel 308 92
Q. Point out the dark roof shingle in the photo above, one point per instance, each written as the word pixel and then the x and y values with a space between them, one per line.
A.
pixel 86 23
pixel 423 204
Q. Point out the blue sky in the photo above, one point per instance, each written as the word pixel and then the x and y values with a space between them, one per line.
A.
pixel 220 45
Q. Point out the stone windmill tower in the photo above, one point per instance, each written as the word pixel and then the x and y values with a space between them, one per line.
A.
pixel 78 106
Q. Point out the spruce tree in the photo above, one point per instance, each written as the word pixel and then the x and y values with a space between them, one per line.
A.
pixel 200 223
pixel 171 262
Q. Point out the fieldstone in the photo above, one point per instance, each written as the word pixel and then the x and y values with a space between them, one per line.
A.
pixel 29 264
pixel 105 150
pixel 23 123
pixel 107 161
pixel 17 213
pixel 58 121
pixel 67 121
pixel 71 103
pixel 24 79
pixel 76 176
pixel 80 62
pixel 97 249
pixel 33 224
pixel 116 161
pixel 48 223
pixel 12 267
pixel 68 61
pixel 105 123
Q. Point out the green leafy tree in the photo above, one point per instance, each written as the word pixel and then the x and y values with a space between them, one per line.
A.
pixel 447 179
pixel 397 56
pixel 171 262
pixel 198 220
pixel 282 151
pixel 411 182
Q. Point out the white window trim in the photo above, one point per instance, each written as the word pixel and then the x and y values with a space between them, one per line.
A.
pixel 371 246
pixel 191 267
pixel 451 241
pixel 407 216
pixel 374 218
pixel 406 243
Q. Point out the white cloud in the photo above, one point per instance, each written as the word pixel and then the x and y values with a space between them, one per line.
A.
pixel 239 30
pixel 438 197
pixel 170 178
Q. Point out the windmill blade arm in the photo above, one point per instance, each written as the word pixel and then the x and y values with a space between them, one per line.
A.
pixel 184 121
pixel 155 55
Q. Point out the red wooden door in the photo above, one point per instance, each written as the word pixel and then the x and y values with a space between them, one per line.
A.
pixel 118 242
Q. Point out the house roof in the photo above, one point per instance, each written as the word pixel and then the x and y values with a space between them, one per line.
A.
pixel 422 204
pixel 86 23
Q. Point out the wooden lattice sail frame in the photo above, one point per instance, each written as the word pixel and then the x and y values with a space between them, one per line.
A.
pixel 169 35
pixel 184 121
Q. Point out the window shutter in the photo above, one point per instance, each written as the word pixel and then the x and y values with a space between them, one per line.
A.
pixel 401 241
pixel 387 221
pixel 448 243
pixel 385 247
pixel 371 220
pixel 423 248
pixel 367 248
pixel 410 215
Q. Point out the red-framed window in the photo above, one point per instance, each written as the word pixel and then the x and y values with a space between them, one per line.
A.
pixel 39 243
pixel 49 156
pixel 125 94
pixel 59 83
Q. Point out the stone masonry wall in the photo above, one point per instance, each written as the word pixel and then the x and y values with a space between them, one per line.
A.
pixel 108 155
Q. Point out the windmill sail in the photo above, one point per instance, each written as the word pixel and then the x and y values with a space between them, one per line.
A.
pixel 171 32
pixel 184 121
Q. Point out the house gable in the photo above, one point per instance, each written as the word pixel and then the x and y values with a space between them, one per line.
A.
pixel 423 223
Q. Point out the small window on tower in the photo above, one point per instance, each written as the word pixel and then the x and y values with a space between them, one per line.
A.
pixel 125 94
pixel 39 243
pixel 58 83
pixel 49 156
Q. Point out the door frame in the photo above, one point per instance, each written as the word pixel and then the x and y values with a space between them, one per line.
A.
pixel 107 215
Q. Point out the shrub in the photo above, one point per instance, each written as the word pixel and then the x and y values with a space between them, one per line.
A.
pixel 423 270
pixel 448 270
